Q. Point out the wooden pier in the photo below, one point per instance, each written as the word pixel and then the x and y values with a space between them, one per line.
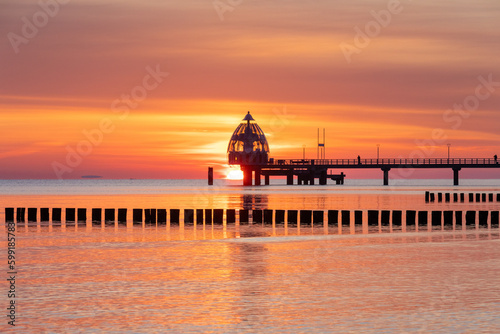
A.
pixel 308 170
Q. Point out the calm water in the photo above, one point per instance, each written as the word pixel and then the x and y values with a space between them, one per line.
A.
pixel 231 278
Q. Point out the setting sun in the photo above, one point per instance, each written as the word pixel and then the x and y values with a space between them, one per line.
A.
pixel 235 174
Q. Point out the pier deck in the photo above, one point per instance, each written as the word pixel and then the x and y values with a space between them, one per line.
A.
pixel 307 170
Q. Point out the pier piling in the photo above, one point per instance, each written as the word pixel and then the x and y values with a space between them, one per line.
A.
pixel 427 196
pixel 199 216
pixel 109 215
pixel 458 219
pixel 358 217
pixel 471 197
pixel 122 215
pixel 447 197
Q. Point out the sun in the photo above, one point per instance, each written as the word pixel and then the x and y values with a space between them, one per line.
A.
pixel 235 174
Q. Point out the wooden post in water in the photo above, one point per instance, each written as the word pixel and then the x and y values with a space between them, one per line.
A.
pixel 147 216
pixel 483 197
pixel 162 216
pixel 333 217
pixel 208 216
pixel 478 197
pixel 230 216
pixel 122 215
pixel 188 216
pixel 490 197
pixel 268 216
pixel 436 218
pixel 373 217
pixel 175 216
pixel 44 215
pixel 292 217
pixel 137 216
pixel 427 196
pixel 470 218
pixel 152 216
pixel 397 218
pixel 109 215
pixel 82 215
pixel 218 216
pixel 257 216
pixel 318 217
pixel 455 197
pixel 306 217
pixel 410 217
pixel 440 197
pixel 498 197
pixel 210 176
pixel 422 218
pixel 432 197
pixel 32 214
pixel 9 215
pixel 70 215
pixel 448 218
pixel 462 197
pixel 358 217
pixel 471 197
pixel 244 217
pixel 458 219
pixel 385 218
pixel 96 215
pixel 346 217
pixel 494 219
pixel 199 216
pixel 447 197
pixel 20 214
pixel 483 218
pixel 280 217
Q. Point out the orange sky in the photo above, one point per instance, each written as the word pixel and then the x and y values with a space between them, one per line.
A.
pixel 71 72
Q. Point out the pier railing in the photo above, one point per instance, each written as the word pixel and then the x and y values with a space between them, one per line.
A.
pixel 386 161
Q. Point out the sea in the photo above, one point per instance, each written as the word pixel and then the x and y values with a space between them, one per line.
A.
pixel 253 277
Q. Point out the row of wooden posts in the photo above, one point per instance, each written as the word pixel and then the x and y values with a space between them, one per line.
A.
pixel 460 197
pixel 266 216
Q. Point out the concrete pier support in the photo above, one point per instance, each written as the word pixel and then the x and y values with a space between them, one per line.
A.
pixel 257 177
pixel 266 180
pixel 455 175
pixel 247 176
pixel 386 175
pixel 289 179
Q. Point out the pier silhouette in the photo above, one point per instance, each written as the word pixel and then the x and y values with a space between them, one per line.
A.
pixel 248 148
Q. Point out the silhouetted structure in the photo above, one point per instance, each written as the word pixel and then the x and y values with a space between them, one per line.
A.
pixel 248 148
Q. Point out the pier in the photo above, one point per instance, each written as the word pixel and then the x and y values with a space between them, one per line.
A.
pixel 307 171
pixel 248 147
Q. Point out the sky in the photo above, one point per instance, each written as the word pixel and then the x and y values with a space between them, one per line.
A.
pixel 154 89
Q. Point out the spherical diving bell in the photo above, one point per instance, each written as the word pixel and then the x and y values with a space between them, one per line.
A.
pixel 248 144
